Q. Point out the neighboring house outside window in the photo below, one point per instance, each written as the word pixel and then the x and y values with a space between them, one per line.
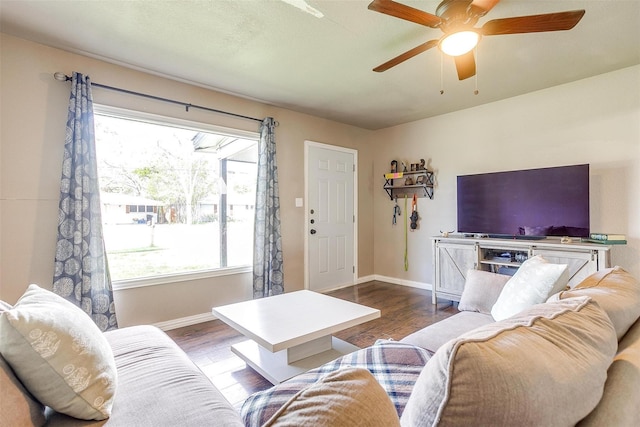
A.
pixel 168 190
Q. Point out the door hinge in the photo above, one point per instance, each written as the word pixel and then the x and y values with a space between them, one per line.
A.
pixel 354 269
pixel 354 167
pixel 354 219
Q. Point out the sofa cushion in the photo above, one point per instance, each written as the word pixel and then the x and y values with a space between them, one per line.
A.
pixel 158 385
pixel 59 354
pixel 544 366
pixel 533 283
pixel 481 290
pixel 347 397
pixel 617 293
pixel 435 335
pixel 619 404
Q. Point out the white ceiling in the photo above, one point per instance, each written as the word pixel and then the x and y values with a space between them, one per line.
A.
pixel 274 52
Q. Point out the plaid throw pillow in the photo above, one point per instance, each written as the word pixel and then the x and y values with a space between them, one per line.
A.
pixel 396 366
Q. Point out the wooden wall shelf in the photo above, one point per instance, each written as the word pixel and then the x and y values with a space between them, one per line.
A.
pixel 422 183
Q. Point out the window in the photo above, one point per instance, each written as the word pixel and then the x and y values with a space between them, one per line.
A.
pixel 168 188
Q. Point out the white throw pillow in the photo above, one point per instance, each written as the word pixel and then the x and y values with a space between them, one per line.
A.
pixel 533 283
pixel 59 354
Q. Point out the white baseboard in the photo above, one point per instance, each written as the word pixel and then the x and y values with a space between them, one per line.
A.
pixel 403 282
pixel 358 281
pixel 185 321
pixel 346 285
pixel 365 279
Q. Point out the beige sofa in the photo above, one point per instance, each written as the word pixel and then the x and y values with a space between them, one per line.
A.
pixel 156 384
pixel 574 359
pixel 614 290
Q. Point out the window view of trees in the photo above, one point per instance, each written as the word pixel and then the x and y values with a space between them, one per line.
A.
pixel 163 190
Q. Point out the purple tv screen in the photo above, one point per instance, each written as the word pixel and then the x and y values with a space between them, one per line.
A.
pixel 534 202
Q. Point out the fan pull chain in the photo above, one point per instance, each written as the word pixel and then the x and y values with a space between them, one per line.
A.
pixel 476 91
pixel 441 73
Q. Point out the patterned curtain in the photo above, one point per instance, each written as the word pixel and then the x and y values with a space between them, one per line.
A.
pixel 268 277
pixel 81 272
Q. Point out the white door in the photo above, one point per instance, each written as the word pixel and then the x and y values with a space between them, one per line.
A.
pixel 330 216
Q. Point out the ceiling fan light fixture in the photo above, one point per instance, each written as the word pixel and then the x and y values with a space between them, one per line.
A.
pixel 459 43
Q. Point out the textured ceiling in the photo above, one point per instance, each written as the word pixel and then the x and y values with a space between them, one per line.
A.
pixel 275 52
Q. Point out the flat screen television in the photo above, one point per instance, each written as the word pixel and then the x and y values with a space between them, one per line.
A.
pixel 531 203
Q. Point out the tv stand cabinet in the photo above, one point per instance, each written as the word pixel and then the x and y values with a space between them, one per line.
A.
pixel 453 256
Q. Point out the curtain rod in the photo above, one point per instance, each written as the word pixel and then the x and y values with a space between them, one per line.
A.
pixel 63 78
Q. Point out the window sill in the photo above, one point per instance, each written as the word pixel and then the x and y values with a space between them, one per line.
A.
pixel 119 285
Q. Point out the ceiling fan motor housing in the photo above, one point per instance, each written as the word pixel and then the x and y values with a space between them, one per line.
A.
pixel 456 15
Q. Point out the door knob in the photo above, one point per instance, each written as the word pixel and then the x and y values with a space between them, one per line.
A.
pixel 313 231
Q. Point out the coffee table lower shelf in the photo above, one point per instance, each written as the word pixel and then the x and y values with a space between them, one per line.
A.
pixel 274 366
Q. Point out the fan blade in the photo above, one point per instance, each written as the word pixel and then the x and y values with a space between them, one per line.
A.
pixel 533 24
pixel 482 7
pixel 407 55
pixel 392 8
pixel 465 65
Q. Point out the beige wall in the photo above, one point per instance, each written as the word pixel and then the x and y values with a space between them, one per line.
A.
pixel 592 121
pixel 33 114
pixel 595 121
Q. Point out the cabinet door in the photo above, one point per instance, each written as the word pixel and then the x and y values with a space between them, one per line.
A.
pixel 452 263
pixel 581 264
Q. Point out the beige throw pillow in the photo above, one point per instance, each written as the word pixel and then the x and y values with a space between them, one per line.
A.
pixel 533 283
pixel 616 292
pixel 481 290
pixel 546 366
pixel 59 354
pixel 346 397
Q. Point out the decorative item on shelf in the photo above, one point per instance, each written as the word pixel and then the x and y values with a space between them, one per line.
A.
pixel 404 167
pixel 607 237
pixel 605 242
pixel 413 167
pixel 445 233
pixel 422 168
pixel 521 257
pixel 394 169
pixel 408 181
pixel 422 179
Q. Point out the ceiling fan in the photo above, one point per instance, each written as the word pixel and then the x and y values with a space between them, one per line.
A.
pixel 456 18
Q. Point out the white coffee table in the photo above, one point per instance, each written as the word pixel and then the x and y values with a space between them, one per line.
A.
pixel 291 333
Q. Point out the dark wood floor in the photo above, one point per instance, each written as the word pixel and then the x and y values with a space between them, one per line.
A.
pixel 403 310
